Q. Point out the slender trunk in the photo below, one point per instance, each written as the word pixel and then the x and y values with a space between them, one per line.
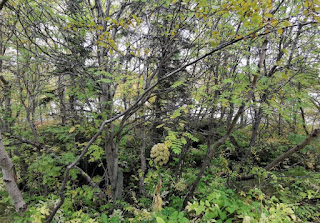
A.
pixel 182 155
pixel 61 94
pixel 302 112
pixel 9 179
pixel 279 125
pixel 7 112
pixel 254 132
pixel 304 121
pixel 114 173
pixel 143 164
pixel 72 104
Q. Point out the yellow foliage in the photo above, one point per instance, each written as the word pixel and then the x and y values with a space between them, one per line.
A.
pixel 181 185
pixel 160 153
pixel 157 204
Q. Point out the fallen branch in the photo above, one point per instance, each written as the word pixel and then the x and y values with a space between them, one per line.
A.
pixel 315 134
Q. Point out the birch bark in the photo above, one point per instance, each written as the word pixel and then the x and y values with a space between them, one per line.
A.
pixel 10 180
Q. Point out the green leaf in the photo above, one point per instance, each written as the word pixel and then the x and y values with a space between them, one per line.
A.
pixel 159 126
pixel 104 80
pixel 104 218
pixel 160 220
pixel 177 83
pixel 222 215
pixel 227 81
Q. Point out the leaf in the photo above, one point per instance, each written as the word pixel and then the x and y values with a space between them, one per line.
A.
pixel 44 210
pixel 287 23
pixel 183 140
pixel 199 210
pixel 222 215
pixel 159 126
pixel 246 219
pixel 263 218
pixel 174 215
pixel 280 31
pixel 268 15
pixel 177 83
pixel 72 129
pixel 284 76
pixel 104 80
pixel 160 220
pixel 227 81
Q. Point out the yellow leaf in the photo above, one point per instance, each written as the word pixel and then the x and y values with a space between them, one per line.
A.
pixel 274 22
pixel 72 129
pixel 280 31
pixel 268 15
pixel 287 23
pixel 260 197
pixel 44 210
pixel 74 29
pixel 317 18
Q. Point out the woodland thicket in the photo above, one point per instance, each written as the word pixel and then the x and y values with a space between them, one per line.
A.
pixel 159 111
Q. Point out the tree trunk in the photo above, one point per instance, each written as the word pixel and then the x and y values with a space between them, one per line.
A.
pixel 9 179
pixel 254 132
pixel 143 164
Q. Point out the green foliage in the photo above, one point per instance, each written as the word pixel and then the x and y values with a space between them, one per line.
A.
pixel 169 215
pixel 168 71
pixel 227 206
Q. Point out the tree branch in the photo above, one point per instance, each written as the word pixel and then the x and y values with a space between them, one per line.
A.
pixel 2 4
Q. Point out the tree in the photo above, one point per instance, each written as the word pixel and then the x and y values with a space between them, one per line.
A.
pixel 9 175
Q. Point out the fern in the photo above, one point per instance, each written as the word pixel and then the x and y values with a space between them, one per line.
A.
pixel 191 137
